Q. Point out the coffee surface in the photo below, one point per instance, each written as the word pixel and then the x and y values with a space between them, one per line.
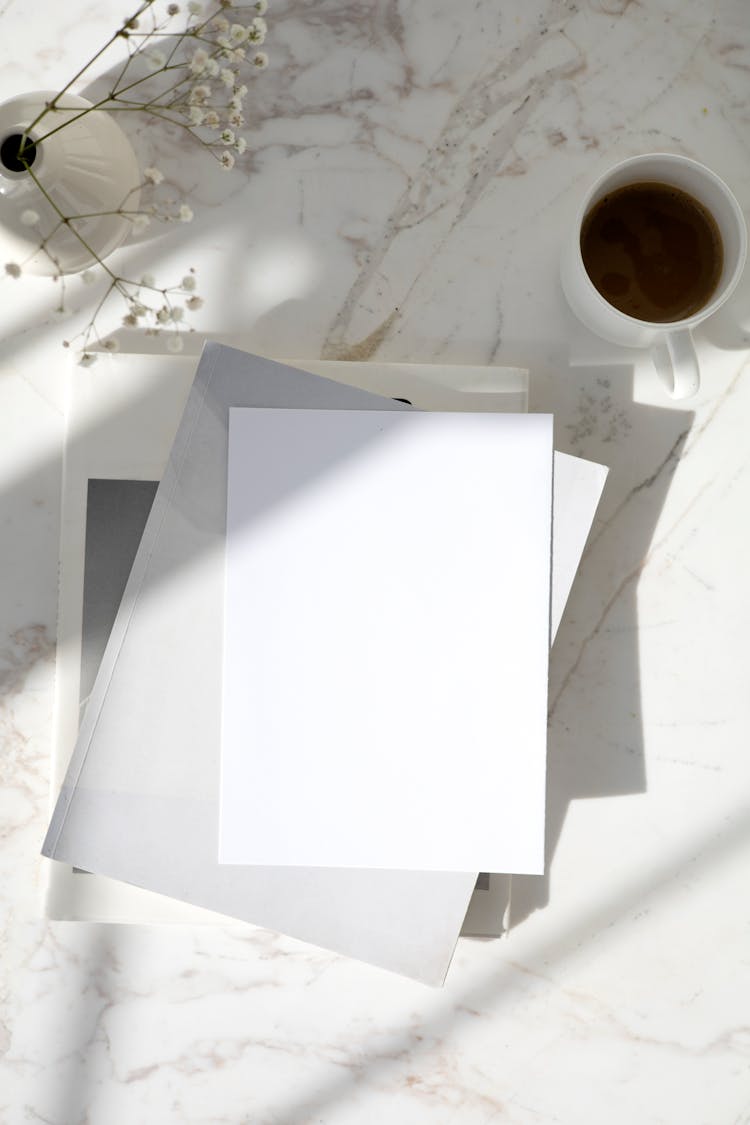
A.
pixel 652 251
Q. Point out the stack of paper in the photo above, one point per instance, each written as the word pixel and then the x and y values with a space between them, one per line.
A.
pixel 322 707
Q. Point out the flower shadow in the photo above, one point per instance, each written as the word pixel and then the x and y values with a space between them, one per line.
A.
pixel 163 139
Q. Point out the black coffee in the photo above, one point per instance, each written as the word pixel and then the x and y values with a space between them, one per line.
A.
pixel 652 251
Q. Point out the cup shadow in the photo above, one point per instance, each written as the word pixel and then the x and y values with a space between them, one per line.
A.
pixel 729 328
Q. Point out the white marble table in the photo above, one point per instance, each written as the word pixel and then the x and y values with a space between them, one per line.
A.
pixel 413 169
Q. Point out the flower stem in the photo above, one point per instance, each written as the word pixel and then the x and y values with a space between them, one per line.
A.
pixel 146 4
pixel 67 221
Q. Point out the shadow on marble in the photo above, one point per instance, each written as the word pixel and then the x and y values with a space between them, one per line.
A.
pixel 595 743
pixel 408 1047
pixel 98 1006
pixel 729 328
pixel 95 980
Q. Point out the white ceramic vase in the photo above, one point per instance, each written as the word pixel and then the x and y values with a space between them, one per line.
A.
pixel 87 167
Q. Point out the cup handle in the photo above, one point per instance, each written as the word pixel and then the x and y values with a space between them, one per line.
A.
pixel 682 377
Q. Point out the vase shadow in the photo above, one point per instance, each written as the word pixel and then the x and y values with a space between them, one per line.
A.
pixel 171 148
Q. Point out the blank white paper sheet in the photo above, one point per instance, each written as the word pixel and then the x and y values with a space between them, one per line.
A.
pixel 386 639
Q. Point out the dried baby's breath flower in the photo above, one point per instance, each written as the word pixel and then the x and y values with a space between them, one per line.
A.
pixel 199 94
pixel 218 38
pixel 256 32
pixel 199 60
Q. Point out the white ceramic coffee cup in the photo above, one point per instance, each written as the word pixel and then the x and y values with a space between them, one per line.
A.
pixel 608 322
